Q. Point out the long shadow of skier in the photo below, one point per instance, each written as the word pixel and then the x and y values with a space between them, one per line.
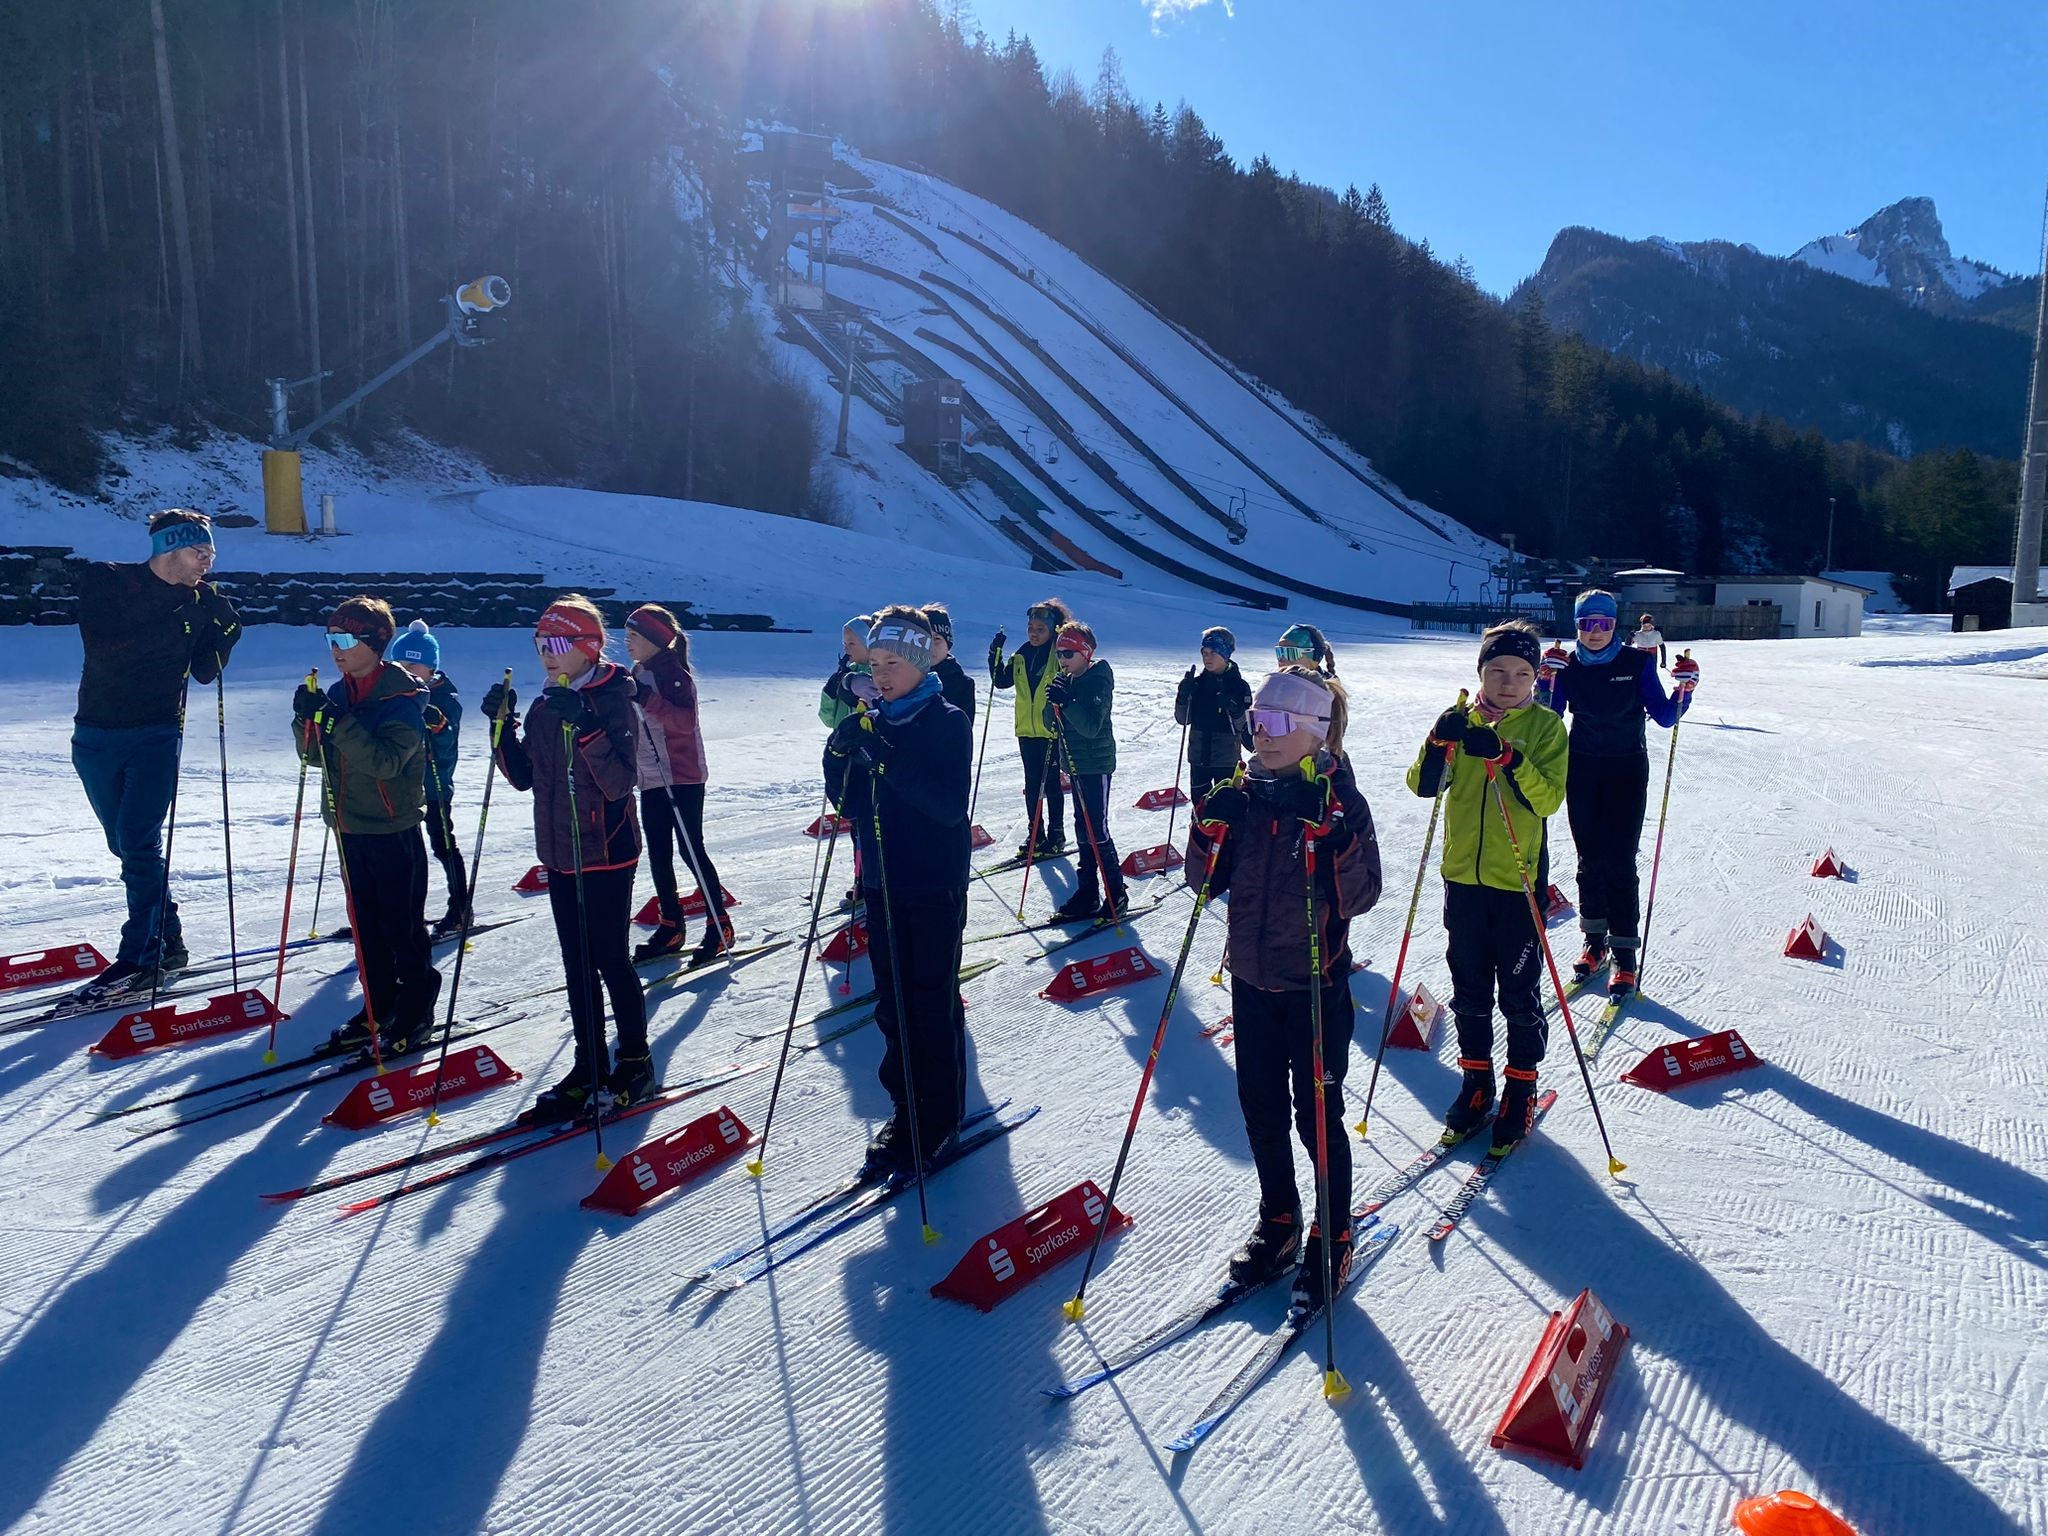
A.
pixel 78 1358
pixel 1571 1231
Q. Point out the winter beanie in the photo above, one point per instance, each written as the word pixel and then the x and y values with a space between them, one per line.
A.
pixel 417 644
pixel 1219 640
pixel 909 638
pixel 648 623
pixel 367 618
pixel 563 622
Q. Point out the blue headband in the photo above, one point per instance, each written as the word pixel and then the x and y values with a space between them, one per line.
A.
pixel 179 536
pixel 1596 602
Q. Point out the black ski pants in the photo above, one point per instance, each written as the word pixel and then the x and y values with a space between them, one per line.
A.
pixel 1275 1075
pixel 916 959
pixel 607 916
pixel 1042 776
pixel 1605 798
pixel 661 812
pixel 1097 861
pixel 1493 944
pixel 387 894
pixel 441 838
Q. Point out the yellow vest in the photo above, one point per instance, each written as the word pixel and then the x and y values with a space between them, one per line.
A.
pixel 1031 701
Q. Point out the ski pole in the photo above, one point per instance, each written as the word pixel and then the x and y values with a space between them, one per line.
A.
pixel 336 797
pixel 1657 858
pixel 163 899
pixel 1334 1384
pixel 227 832
pixel 1076 1308
pixel 1615 1165
pixel 476 860
pixel 1031 841
pixel 1436 806
pixel 896 986
pixel 988 714
pixel 291 875
pixel 320 885
pixel 1059 736
pixel 595 996
pixel 1173 805
pixel 796 996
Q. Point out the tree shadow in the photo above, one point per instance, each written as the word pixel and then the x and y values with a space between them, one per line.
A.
pixel 1570 1230
pixel 78 1358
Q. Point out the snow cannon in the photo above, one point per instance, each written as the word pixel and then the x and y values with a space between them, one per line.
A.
pixel 1788 1513
pixel 483 295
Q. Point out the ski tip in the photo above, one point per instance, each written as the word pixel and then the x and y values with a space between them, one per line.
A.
pixel 1075 1309
pixel 1335 1387
pixel 931 1234
pixel 755 1168
pixel 355 1208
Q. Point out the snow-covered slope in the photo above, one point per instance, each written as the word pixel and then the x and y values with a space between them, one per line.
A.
pixel 1834 1265
pixel 1903 248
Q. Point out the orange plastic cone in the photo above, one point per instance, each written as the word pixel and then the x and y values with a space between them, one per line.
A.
pixel 1788 1513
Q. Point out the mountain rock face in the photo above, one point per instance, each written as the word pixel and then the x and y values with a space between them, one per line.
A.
pixel 1881 334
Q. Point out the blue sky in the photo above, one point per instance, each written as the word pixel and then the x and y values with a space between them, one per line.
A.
pixel 1491 125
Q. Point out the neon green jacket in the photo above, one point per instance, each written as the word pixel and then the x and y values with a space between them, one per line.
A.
pixel 1477 850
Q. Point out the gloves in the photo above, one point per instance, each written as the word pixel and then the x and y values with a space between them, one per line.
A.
pixel 1305 799
pixel 307 703
pixel 995 647
pixel 1227 804
pixel 1059 690
pixel 216 609
pixel 1554 661
pixel 852 738
pixel 1449 728
pixel 500 697
pixel 1483 743
pixel 571 706
pixel 1685 675
pixel 433 719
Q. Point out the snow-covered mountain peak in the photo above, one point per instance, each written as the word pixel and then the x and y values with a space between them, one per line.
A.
pixel 1903 248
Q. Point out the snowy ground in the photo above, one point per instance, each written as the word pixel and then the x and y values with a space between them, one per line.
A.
pixel 1834 1266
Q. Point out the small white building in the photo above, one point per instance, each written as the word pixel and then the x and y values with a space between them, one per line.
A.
pixel 1812 607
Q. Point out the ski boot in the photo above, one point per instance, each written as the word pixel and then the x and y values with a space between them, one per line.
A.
pixel 1621 980
pixel 632 1080
pixel 121 979
pixel 1308 1277
pixel 1118 901
pixel 885 1159
pixel 1269 1250
pixel 1594 956
pixel 668 938
pixel 1517 1108
pixel 717 940
pixel 173 957
pixel 353 1036
pixel 566 1101
pixel 448 925
pixel 1081 907
pixel 1474 1102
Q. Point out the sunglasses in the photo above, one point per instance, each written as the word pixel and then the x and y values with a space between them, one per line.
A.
pixel 1279 722
pixel 554 645
pixel 342 640
pixel 1596 623
pixel 1063 652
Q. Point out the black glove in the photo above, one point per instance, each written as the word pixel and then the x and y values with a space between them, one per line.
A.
pixel 307 702
pixel 1305 799
pixel 433 719
pixel 1483 743
pixel 1059 690
pixel 1227 803
pixel 500 696
pixel 216 609
pixel 995 648
pixel 1449 727
pixel 571 706
pixel 852 738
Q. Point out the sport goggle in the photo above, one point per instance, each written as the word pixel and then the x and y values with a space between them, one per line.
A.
pixel 1042 615
pixel 1280 722
pixel 1288 653
pixel 554 645
pixel 343 640
pixel 1599 623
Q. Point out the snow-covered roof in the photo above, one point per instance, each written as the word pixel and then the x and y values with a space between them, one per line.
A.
pixel 1648 573
pixel 1789 581
pixel 1969 575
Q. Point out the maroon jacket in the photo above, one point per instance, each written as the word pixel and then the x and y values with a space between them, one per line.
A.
pixel 1261 867
pixel 604 759
pixel 668 697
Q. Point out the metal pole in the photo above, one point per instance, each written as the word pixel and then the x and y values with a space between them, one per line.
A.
pixel 2026 552
pixel 852 332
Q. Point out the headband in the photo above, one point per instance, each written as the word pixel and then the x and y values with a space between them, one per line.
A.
pixel 180 536
pixel 1511 642
pixel 903 637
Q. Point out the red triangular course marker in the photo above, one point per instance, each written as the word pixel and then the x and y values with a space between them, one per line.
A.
pixel 151 1029
pixel 649 916
pixel 1806 941
pixel 44 965
pixel 1555 905
pixel 1087 978
pixel 827 824
pixel 533 882
pixel 1001 1264
pixel 1415 1025
pixel 1828 866
pixel 980 837
pixel 655 1167
pixel 403 1090
pixel 1151 861
pixel 849 943
pixel 1552 1411
pixel 1160 799
pixel 1691 1061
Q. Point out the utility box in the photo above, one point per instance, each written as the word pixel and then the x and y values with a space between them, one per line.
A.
pixel 931 412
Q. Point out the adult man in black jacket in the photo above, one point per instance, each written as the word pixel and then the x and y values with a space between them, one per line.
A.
pixel 146 629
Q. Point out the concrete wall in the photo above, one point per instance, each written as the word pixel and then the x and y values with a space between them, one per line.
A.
pixel 1840 611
